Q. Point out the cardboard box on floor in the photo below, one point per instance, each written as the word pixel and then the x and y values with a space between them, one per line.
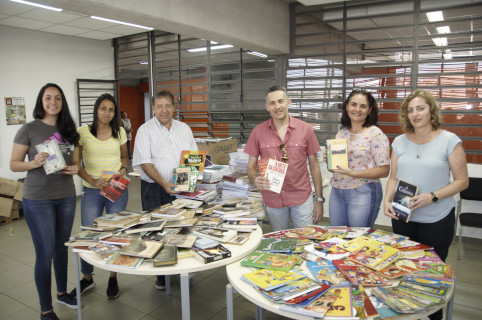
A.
pixel 219 150
pixel 10 195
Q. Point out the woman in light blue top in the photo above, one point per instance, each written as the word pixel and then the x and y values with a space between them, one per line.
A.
pixel 425 156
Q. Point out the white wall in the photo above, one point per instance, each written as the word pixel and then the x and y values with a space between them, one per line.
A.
pixel 30 59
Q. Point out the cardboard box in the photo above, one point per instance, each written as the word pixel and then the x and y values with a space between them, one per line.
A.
pixel 219 150
pixel 10 194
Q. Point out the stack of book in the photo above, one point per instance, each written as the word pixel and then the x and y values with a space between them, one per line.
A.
pixel 199 194
pixel 214 173
pixel 119 220
pixel 238 161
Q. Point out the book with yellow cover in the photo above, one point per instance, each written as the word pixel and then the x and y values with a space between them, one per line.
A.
pixel 193 158
pixel 368 252
pixel 270 279
pixel 337 153
pixel 342 306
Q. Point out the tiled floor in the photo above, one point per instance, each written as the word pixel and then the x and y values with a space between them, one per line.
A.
pixel 140 300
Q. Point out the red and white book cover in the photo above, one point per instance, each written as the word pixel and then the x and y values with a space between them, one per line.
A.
pixel 276 173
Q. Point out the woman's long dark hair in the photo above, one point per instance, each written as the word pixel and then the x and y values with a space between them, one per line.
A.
pixel 372 117
pixel 114 123
pixel 65 124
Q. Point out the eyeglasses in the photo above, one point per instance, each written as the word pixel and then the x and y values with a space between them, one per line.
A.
pixel 283 148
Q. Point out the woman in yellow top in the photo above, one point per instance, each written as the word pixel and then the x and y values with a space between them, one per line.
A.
pixel 102 148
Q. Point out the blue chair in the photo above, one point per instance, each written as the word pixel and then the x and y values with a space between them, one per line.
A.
pixel 469 219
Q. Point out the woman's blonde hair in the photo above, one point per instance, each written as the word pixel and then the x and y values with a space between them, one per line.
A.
pixel 435 110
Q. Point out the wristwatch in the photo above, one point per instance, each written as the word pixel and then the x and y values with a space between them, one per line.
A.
pixel 321 199
pixel 434 197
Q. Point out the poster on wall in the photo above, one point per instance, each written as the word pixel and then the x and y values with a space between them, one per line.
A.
pixel 15 110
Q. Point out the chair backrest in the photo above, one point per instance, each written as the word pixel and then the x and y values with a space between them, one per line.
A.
pixel 474 191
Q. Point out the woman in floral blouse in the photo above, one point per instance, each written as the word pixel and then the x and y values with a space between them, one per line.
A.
pixel 356 191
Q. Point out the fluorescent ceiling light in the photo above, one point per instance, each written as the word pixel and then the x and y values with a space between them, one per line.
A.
pixel 444 29
pixel 221 46
pixel 258 54
pixel 440 42
pixel 447 54
pixel 143 62
pixel 122 22
pixel 37 5
pixel 435 16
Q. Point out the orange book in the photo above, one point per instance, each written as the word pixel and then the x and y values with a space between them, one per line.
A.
pixel 193 158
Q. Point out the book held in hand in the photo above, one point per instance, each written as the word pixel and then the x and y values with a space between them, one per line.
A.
pixel 193 158
pixel 336 153
pixel 401 201
pixel 116 187
pixel 181 178
pixel 276 173
pixel 55 160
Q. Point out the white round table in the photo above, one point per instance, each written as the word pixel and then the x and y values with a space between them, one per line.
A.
pixel 183 267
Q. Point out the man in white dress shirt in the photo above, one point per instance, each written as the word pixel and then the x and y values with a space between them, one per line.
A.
pixel 157 151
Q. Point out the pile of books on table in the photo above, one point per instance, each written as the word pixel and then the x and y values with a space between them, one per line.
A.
pixel 182 229
pixel 349 273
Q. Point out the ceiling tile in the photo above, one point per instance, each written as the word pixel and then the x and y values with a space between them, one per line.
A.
pixel 99 35
pixel 64 30
pixel 49 16
pixel 24 23
pixel 89 23
pixel 124 30
pixel 13 8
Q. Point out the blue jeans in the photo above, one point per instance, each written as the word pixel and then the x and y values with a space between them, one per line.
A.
pixel 50 223
pixel 302 215
pixel 92 206
pixel 153 195
pixel 356 207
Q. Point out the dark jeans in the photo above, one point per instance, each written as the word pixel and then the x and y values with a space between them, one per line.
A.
pixel 153 195
pixel 438 235
pixel 50 223
pixel 129 153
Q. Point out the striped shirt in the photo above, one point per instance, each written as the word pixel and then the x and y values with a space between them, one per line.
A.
pixel 161 147
pixel 97 155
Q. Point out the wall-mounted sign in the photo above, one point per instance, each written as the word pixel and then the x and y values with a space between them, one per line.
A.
pixel 15 110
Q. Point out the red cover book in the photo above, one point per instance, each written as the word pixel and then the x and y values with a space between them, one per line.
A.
pixel 116 187
pixel 359 275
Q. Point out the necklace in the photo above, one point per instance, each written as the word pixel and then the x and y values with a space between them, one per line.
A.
pixel 420 150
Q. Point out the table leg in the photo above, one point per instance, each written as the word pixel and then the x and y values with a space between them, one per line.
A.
pixel 229 302
pixel 168 284
pixel 186 310
pixel 77 285
pixel 260 313
pixel 450 305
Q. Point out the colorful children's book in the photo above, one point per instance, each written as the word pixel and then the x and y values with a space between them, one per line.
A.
pixel 278 245
pixel 361 302
pixel 393 272
pixel 325 272
pixel 384 311
pixel 291 290
pixel 116 187
pixel 360 275
pixel 318 307
pixel 273 261
pixel 342 307
pixel 267 279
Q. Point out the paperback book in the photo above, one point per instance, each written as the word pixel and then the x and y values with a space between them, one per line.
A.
pixel 364 307
pixel 181 179
pixel 179 240
pixel 116 187
pixel 141 248
pixel 336 153
pixel 325 272
pixel 278 245
pixel 119 240
pixel 165 257
pixel 217 234
pixel 360 275
pixel 292 290
pixel 146 227
pixel 193 158
pixel 276 173
pixel 318 307
pixel 55 160
pixel 268 280
pixel 342 307
pixel 401 200
pixel 104 250
pixel 124 261
pixel 215 253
